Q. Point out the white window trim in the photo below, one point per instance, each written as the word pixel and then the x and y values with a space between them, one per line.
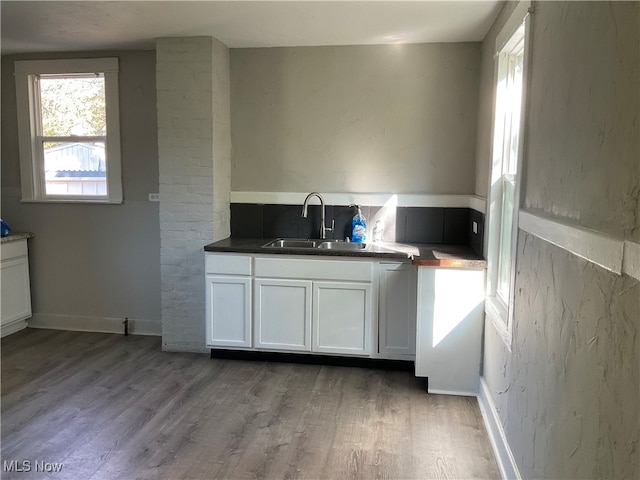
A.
pixel 31 169
pixel 499 313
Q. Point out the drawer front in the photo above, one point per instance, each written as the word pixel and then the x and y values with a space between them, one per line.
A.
pixel 306 269
pixel 227 264
pixel 16 248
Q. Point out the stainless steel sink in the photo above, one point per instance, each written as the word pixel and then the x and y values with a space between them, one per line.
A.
pixel 300 243
pixel 344 246
pixel 292 243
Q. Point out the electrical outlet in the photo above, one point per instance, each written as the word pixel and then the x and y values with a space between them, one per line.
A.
pixel 475 227
pixel 154 197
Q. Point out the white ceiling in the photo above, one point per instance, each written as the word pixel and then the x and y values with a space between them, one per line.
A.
pixel 46 26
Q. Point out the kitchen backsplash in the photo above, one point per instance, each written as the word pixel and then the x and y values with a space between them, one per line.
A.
pixel 401 224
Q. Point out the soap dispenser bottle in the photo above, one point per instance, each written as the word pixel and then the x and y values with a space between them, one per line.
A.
pixel 358 227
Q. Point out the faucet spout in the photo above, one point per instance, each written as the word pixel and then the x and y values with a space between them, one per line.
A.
pixel 305 205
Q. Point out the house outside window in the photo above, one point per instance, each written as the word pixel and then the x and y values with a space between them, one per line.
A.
pixel 68 123
pixel 507 159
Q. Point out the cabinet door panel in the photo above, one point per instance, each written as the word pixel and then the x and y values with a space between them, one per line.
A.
pixel 342 318
pixel 397 329
pixel 283 314
pixel 228 311
pixel 16 292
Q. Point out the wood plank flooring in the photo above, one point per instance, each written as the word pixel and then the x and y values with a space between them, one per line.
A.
pixel 115 407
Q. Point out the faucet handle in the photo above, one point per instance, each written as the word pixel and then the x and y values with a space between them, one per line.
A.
pixel 324 229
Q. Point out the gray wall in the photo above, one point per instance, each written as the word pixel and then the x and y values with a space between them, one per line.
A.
pixel 393 118
pixel 94 260
pixel 567 393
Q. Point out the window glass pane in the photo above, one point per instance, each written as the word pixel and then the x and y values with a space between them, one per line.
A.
pixel 506 229
pixel 75 168
pixel 515 103
pixel 73 105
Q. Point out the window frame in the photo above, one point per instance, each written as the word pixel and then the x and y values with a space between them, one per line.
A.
pixel 28 108
pixel 498 309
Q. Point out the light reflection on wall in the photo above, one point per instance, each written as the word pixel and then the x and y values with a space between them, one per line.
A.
pixel 453 305
pixel 387 217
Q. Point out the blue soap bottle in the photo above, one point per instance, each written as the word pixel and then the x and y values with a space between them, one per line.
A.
pixel 358 227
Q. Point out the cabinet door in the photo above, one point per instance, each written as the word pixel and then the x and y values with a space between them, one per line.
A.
pixel 16 292
pixel 282 313
pixel 342 318
pixel 397 309
pixel 228 311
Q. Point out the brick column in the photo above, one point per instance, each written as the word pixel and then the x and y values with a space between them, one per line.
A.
pixel 194 149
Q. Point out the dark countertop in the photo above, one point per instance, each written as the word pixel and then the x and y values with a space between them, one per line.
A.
pixel 426 255
pixel 13 237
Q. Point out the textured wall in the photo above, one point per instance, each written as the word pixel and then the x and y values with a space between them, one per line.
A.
pixel 97 261
pixel 567 392
pixel 584 115
pixel 394 118
pixel 192 140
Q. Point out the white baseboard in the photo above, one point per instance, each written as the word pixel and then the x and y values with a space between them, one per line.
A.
pixel 502 451
pixel 94 324
pixel 457 393
pixel 13 327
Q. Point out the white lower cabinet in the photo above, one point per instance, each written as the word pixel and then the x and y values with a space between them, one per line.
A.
pixel 339 307
pixel 315 305
pixel 341 318
pixel 228 311
pixel 449 329
pixel 228 297
pixel 282 314
pixel 397 310
pixel 16 290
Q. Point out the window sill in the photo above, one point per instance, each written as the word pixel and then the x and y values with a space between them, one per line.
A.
pixel 79 201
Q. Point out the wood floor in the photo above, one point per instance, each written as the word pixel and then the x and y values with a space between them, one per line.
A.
pixel 115 407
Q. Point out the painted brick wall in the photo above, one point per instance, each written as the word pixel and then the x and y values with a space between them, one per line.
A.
pixel 221 141
pixel 192 79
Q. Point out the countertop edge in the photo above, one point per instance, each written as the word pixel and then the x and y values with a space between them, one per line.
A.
pixel 14 237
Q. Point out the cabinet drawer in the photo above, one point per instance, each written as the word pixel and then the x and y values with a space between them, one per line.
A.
pixel 349 270
pixel 17 248
pixel 227 264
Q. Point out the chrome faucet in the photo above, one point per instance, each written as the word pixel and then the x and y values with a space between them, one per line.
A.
pixel 323 229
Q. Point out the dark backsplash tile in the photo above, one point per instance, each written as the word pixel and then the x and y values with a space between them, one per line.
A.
pixel 424 225
pixel 456 226
pixel 402 224
pixel 246 220
pixel 476 239
pixel 281 221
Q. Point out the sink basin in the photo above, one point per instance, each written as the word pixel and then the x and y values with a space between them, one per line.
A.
pixel 298 243
pixel 292 243
pixel 344 246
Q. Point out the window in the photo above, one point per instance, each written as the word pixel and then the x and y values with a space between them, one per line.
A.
pixel 506 167
pixel 68 125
